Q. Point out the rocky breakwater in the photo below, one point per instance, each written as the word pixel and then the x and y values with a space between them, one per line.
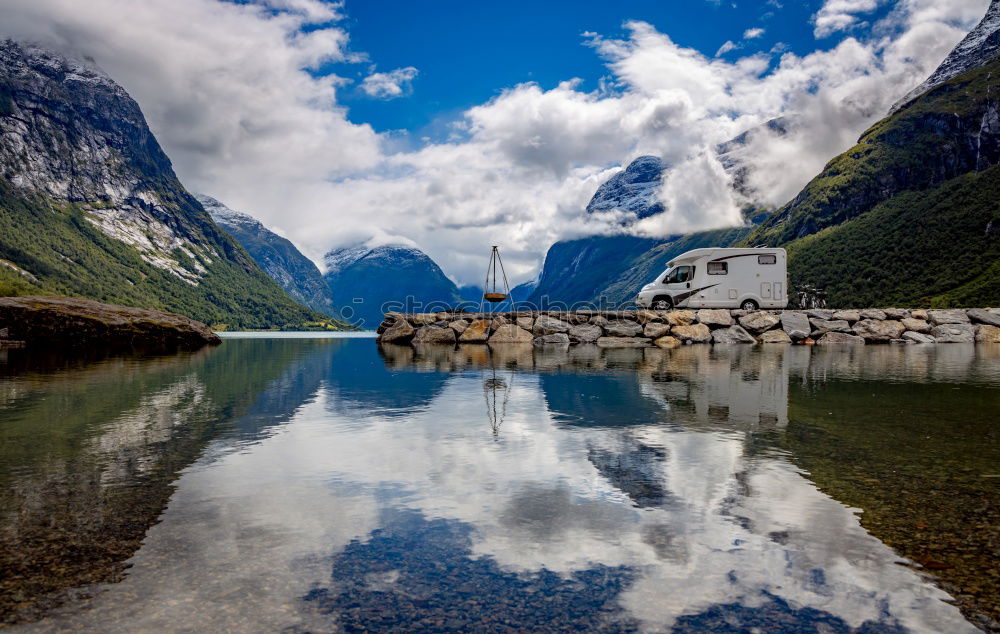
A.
pixel 669 329
pixel 78 322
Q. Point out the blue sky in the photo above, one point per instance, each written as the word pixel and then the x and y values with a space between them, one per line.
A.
pixel 238 92
pixel 467 52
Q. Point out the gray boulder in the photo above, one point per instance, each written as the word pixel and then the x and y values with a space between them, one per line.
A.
pixel 556 338
pixel 423 319
pixel 695 333
pixel 873 313
pixel 623 328
pixel 983 316
pixel 916 325
pixel 399 332
pixel 655 330
pixel 546 325
pixel 715 317
pixel 875 330
pixel 476 332
pixel 848 315
pixel 950 316
pixel 775 336
pixel 459 326
pixel 646 316
pixel 820 313
pixel 667 342
pixel 526 322
pixel 759 321
pixel 430 334
pixel 917 337
pixel 823 326
pixel 986 333
pixel 510 333
pixel 733 334
pixel 796 325
pixel 680 317
pixel 834 338
pixel 585 333
pixel 953 333
pixel 896 313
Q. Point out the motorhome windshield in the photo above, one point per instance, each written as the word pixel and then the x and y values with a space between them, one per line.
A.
pixel 678 274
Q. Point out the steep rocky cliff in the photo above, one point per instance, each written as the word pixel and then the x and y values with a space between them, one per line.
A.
pixel 364 279
pixel 283 263
pixel 90 205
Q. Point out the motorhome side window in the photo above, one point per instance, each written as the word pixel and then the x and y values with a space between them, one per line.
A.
pixel 718 268
pixel 678 274
pixel 767 259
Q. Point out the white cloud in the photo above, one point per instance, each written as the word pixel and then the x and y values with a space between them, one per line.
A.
pixel 727 46
pixel 223 88
pixel 754 33
pixel 389 85
pixel 839 15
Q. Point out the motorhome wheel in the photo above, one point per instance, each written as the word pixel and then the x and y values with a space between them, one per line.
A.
pixel 749 305
pixel 662 302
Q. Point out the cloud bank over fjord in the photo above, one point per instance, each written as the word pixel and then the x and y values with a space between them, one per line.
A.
pixel 237 96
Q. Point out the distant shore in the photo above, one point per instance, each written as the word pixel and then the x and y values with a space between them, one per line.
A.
pixel 74 322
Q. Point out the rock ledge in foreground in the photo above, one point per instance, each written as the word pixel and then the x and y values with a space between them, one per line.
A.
pixel 74 321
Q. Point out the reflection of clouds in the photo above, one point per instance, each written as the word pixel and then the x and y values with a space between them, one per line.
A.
pixel 245 536
pixel 678 496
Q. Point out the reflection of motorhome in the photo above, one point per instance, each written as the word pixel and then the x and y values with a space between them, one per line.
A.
pixel 720 278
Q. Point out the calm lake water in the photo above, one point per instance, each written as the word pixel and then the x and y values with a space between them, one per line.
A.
pixel 325 484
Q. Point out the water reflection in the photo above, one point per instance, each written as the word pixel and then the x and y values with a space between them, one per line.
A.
pixel 355 487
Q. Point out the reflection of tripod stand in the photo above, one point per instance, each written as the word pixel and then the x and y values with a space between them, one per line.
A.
pixel 491 386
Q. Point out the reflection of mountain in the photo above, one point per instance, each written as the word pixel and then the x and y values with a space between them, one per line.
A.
pixel 82 487
pixel 599 400
pixel 372 386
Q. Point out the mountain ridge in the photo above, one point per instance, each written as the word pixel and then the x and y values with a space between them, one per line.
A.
pixel 91 206
pixel 296 274
pixel 366 281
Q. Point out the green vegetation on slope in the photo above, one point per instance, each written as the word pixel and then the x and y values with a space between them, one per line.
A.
pixel 929 248
pixel 905 215
pixel 70 256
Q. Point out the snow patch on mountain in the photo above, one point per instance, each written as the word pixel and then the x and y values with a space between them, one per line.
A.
pixel 980 45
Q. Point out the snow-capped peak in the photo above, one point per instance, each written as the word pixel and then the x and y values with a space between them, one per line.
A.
pixel 981 44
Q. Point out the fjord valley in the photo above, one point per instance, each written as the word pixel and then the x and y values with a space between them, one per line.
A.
pixel 733 364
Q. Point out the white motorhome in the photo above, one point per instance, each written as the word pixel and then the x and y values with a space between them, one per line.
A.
pixel 720 278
